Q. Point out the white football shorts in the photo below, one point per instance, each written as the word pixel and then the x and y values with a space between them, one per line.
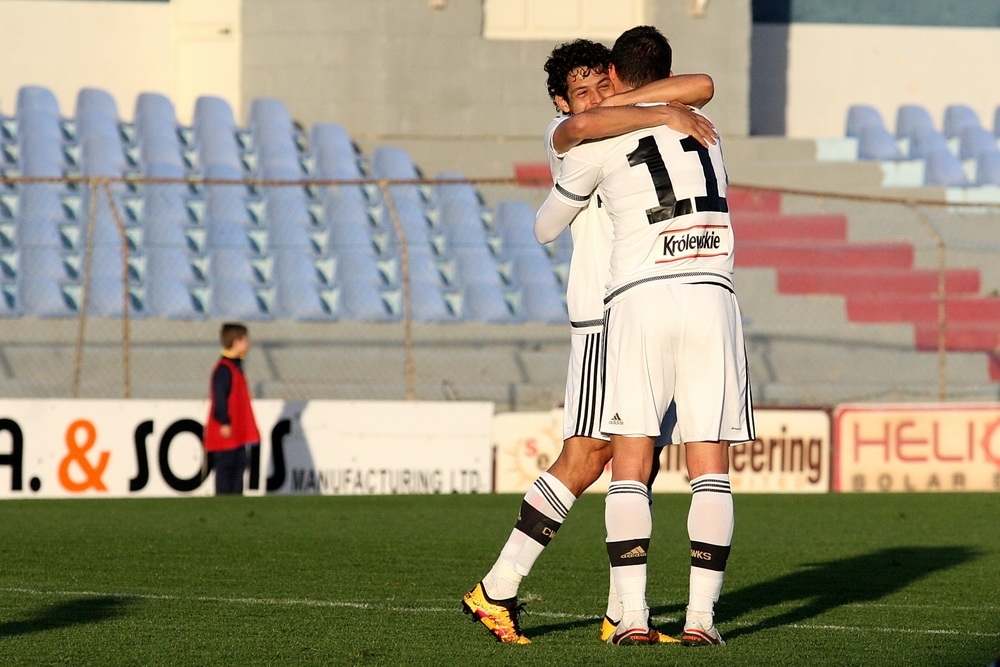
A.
pixel 584 389
pixel 677 342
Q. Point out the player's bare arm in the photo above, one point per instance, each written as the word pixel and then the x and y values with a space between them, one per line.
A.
pixel 602 122
pixel 695 90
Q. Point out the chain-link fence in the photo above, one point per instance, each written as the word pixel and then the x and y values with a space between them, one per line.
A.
pixel 436 289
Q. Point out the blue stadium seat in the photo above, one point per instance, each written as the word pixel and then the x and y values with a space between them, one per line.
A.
pixel 273 132
pixel 543 304
pixel 461 192
pixel 393 163
pixel 215 133
pixel 860 117
pixel 925 141
pixel 988 168
pixel 534 269
pixel 172 264
pixel 974 140
pixel 943 168
pixel 412 220
pixel 237 299
pixel 958 117
pixel 875 143
pixel 334 153
pixel 515 222
pixel 477 266
pixel 46 297
pixel 171 298
pixel 40 135
pixel 911 119
pixel 486 303
pixel 461 223
pixel 996 123
pixel 97 126
pixel 160 151
pixel 428 303
pixel 423 268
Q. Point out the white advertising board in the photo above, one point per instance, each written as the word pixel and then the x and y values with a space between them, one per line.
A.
pixel 137 448
pixel 791 454
pixel 917 447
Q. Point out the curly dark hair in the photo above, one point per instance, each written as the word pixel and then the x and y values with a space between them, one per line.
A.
pixel 641 55
pixel 570 56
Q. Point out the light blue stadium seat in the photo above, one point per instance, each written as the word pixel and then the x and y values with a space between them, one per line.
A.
pixel 944 168
pixel 346 216
pixel 174 264
pixel 334 153
pixel 355 267
pixel 412 220
pixel 996 122
pixel 48 262
pixel 301 288
pixel 231 264
pixel 911 119
pixel 40 136
pixel 958 117
pixel 925 141
pixel 105 296
pixel 515 222
pixel 428 304
pixel 393 163
pixel 160 150
pixel 875 143
pixel 215 133
pixel 543 304
pixel 171 298
pixel 423 268
pixel 988 168
pixel 974 140
pixel 97 126
pixel 533 269
pixel 47 297
pixel 273 132
pixel 860 117
pixel 486 303
pixel 237 299
pixel 477 266
pixel 462 192
pixel 461 223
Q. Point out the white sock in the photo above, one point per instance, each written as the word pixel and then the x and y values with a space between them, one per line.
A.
pixel 710 529
pixel 614 610
pixel 542 512
pixel 629 526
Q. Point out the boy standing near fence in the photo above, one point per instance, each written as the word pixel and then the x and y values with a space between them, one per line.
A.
pixel 231 425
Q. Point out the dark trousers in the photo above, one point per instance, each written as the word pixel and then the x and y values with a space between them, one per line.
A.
pixel 229 466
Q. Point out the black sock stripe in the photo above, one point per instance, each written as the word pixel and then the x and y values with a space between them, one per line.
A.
pixel 628 552
pixel 533 523
pixel 709 556
pixel 543 488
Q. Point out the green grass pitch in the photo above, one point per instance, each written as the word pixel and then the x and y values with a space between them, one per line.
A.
pixel 812 580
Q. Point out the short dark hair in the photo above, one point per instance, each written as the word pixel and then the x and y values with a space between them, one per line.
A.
pixel 571 56
pixel 232 332
pixel 641 55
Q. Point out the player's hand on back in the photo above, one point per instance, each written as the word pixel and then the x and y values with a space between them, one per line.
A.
pixel 682 119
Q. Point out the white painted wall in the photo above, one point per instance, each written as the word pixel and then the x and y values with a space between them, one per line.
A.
pixel 832 67
pixel 182 49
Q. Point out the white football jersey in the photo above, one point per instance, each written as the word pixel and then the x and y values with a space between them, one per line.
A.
pixel 665 194
pixel 590 262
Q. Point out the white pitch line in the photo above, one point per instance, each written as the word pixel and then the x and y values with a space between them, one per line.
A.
pixel 339 604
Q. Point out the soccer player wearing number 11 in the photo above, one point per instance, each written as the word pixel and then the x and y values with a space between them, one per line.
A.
pixel 672 332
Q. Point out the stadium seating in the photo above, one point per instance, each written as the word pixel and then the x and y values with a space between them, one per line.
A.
pixel 208 247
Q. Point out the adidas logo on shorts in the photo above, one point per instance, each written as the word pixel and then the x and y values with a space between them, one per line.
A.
pixel 616 420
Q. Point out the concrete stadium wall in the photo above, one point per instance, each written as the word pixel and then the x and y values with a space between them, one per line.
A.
pixel 388 69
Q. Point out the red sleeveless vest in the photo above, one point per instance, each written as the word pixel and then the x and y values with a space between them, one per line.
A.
pixel 241 419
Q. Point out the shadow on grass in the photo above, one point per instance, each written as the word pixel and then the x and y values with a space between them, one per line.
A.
pixel 66 614
pixel 820 587
pixel 815 589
